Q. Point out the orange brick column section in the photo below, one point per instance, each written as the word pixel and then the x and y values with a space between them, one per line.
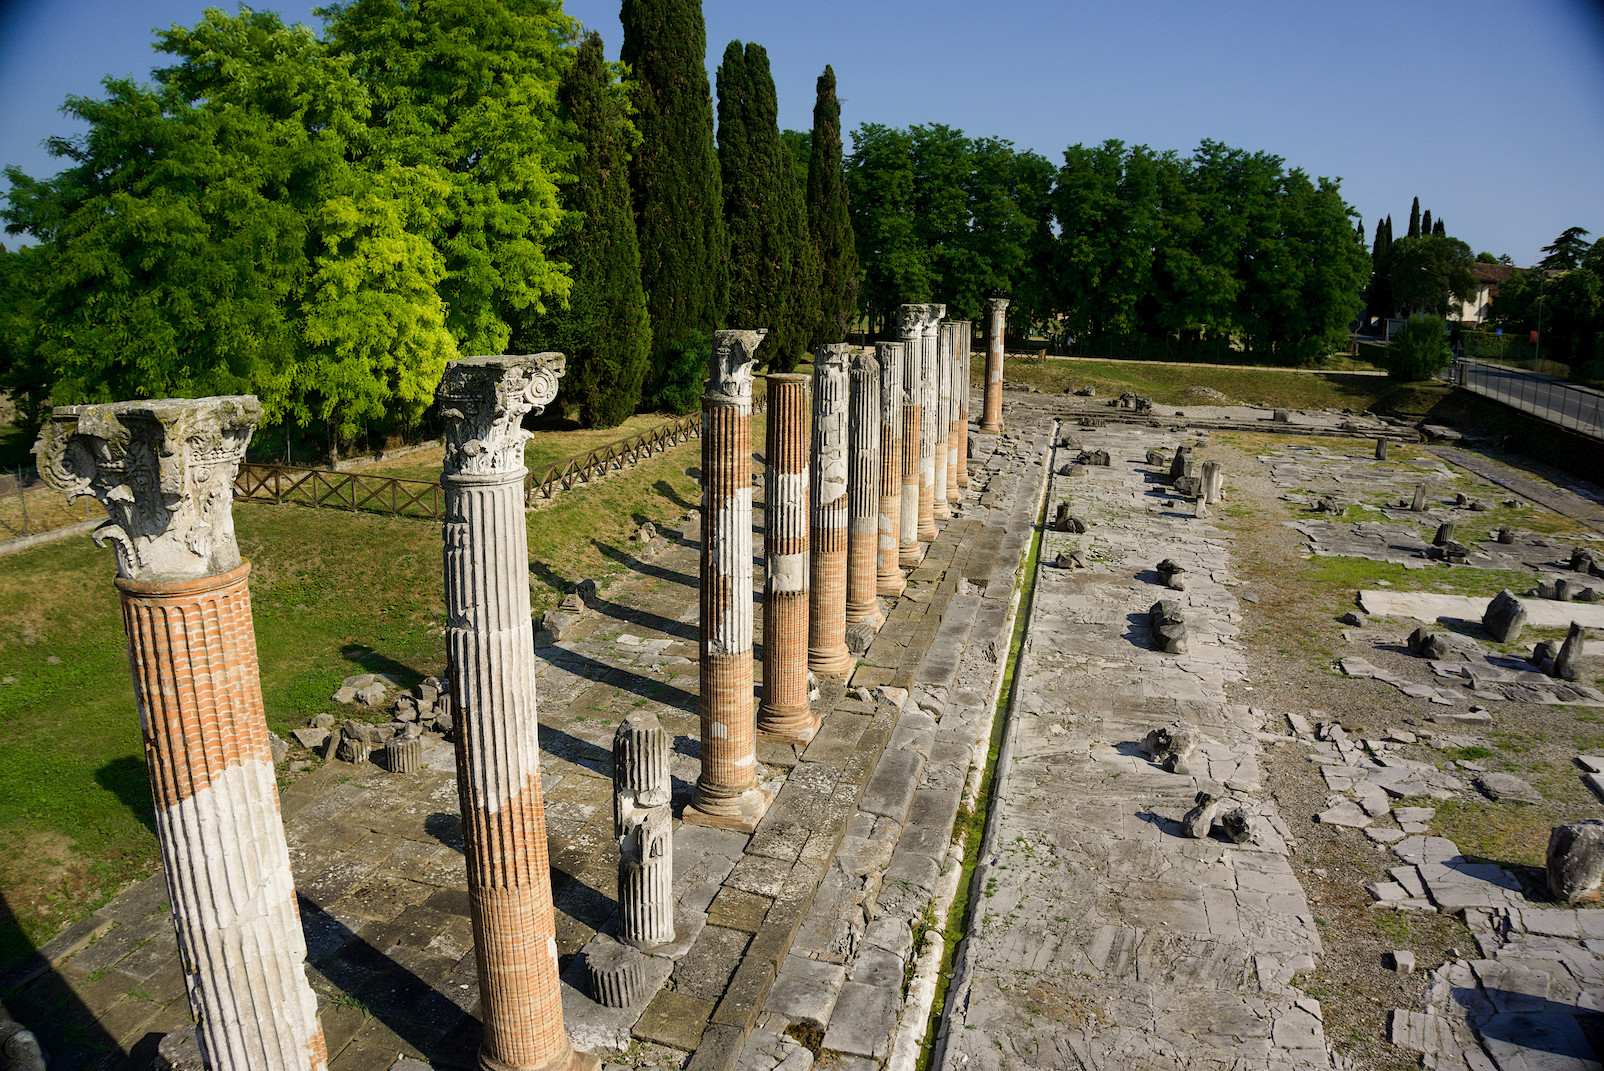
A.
pixel 941 427
pixel 931 426
pixel 909 318
pixel 996 330
pixel 949 365
pixel 165 471
pixel 490 651
pixel 827 586
pixel 889 579
pixel 963 405
pixel 785 713
pixel 863 489
pixel 727 793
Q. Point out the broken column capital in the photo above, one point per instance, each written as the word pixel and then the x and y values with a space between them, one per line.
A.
pixel 910 320
pixel 164 470
pixel 933 315
pixel 729 374
pixel 483 401
pixel 997 306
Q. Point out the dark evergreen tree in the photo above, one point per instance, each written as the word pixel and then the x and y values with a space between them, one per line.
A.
pixel 605 330
pixel 1425 222
pixel 1414 219
pixel 1378 294
pixel 679 200
pixel 1438 230
pixel 1359 229
pixel 799 143
pixel 829 218
pixel 773 273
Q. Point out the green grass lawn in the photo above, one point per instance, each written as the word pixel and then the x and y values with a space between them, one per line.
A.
pixel 334 593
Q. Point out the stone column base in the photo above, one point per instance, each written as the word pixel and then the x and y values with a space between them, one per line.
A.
pixel 741 813
pixel 890 589
pixel 990 429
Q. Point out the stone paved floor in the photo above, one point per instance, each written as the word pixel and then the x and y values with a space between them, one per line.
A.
pixel 1101 937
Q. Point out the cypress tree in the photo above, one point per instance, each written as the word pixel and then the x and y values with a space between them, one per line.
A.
pixel 829 220
pixel 1378 294
pixel 679 200
pixel 605 330
pixel 1359 229
pixel 1425 222
pixel 1414 219
pixel 773 272
pixel 1438 230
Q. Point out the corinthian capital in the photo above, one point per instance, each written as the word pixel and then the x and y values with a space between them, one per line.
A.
pixel 910 320
pixel 997 305
pixel 729 375
pixel 483 401
pixel 164 471
pixel 932 318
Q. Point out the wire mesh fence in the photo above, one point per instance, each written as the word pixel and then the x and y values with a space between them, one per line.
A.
pixel 28 507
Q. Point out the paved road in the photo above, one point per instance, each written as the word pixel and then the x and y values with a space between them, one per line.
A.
pixel 1565 404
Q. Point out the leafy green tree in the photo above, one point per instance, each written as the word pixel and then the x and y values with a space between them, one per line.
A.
pixel 1005 192
pixel 1425 273
pixel 1419 349
pixel 21 375
pixel 468 90
pixel 830 217
pixel 605 330
pixel 1486 258
pixel 881 185
pixel 684 374
pixel 1109 218
pixel 679 198
pixel 1567 250
pixel 773 270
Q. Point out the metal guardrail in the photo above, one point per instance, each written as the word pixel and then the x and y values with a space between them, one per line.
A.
pixel 1565 404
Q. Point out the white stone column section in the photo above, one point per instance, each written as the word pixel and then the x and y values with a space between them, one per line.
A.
pixel 643 825
pixel 164 471
pixel 949 336
pixel 491 654
pixel 964 412
pixel 890 580
pixel 863 491
pixel 929 417
pixel 943 340
pixel 827 584
pixel 909 318
pixel 996 335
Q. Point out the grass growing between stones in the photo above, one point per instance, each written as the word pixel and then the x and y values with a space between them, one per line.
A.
pixel 970 826
pixel 333 593
pixel 1167 384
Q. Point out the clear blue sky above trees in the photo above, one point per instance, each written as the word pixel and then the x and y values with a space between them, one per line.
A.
pixel 1492 113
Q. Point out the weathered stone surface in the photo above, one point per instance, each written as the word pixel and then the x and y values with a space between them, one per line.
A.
pixel 1505 617
pixel 1426 644
pixel 1168 625
pixel 1172 745
pixel 1172 575
pixel 1567 664
pixel 1575 860
pixel 1504 786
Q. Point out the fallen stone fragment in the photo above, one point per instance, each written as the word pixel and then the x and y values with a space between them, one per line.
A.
pixel 1156 457
pixel 1064 521
pixel 1171 746
pixel 1172 575
pixel 1505 535
pixel 1355 618
pixel 1503 786
pixel 1401 961
pixel 1200 819
pixel 1099 458
pixel 1345 813
pixel 1505 617
pixel 1576 860
pixel 1073 559
pixel 1566 663
pixel 1168 625
pixel 1424 644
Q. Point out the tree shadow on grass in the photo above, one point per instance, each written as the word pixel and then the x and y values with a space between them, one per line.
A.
pixel 372 661
pixel 634 564
pixel 666 489
pixel 128 779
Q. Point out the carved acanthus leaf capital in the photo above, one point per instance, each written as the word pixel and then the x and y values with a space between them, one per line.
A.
pixel 932 318
pixel 483 401
pixel 997 305
pixel 910 320
pixel 729 374
pixel 164 470
pixel 864 363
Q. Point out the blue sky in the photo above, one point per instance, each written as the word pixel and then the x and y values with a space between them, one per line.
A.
pixel 1491 112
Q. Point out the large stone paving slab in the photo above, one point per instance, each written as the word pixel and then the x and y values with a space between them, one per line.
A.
pixel 1101 937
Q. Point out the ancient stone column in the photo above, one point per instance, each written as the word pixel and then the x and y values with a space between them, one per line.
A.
pixel 889 578
pixel 929 418
pixel 954 408
pixel 490 647
pixel 1213 481
pixel 909 318
pixel 996 329
pixel 863 491
pixel 164 471
pixel 941 424
pixel 827 586
pixel 644 827
pixel 963 402
pixel 727 792
pixel 1381 448
pixel 785 712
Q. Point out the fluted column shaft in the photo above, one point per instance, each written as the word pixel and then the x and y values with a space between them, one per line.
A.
pixel 727 793
pixel 909 317
pixel 192 648
pixel 996 330
pixel 863 491
pixel 643 825
pixel 827 592
pixel 785 712
pixel 954 406
pixel 929 418
pixel 943 339
pixel 963 405
pixel 164 471
pixel 889 579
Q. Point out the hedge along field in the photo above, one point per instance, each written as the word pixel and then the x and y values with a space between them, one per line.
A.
pixel 333 593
